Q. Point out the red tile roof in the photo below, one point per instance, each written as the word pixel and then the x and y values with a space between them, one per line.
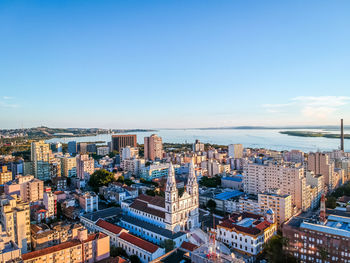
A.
pixel 263 225
pixel 109 226
pixel 153 200
pixel 143 206
pixel 49 250
pixel 143 244
pixel 62 246
pixel 188 246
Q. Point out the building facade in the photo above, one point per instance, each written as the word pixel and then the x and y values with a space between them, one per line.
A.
pixel 121 141
pixel 153 147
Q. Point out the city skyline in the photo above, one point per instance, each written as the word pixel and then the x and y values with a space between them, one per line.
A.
pixel 173 65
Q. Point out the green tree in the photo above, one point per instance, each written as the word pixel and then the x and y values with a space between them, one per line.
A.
pixel 211 204
pixel 100 178
pixel 331 202
pixel 118 251
pixel 150 192
pixel 275 251
pixel 168 244
pixel 134 259
pixel 121 179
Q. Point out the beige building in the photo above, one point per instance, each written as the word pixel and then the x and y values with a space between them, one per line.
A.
pixel 85 166
pixel 280 204
pixel 9 251
pixel 85 248
pixel 5 175
pixel 287 177
pixel 69 166
pixel 153 147
pixel 42 236
pixel 15 218
pixel 235 151
pixel 319 163
pixel 32 189
pixel 40 157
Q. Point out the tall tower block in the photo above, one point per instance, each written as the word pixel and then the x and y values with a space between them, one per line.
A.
pixel 341 135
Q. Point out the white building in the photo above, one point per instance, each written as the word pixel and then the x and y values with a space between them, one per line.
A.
pixel 89 202
pixel 235 151
pixel 145 250
pixel 129 152
pixel 49 203
pixel 247 232
pixel 103 150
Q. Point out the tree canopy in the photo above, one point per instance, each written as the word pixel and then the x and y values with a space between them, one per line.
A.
pixel 210 181
pixel 100 178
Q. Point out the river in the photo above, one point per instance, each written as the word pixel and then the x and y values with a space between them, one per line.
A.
pixel 256 138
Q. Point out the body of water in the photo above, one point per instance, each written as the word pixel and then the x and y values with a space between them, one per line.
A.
pixel 255 138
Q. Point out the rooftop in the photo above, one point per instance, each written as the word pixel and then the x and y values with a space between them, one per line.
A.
pixel 228 195
pixel 109 226
pixel 155 229
pixel 103 214
pixel 143 244
pixel 234 179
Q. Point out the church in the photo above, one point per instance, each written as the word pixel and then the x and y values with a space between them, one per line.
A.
pixel 156 218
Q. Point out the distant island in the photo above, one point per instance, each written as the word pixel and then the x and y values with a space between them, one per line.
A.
pixel 314 134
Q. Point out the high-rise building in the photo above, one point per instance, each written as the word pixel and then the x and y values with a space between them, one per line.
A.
pixel 153 147
pixel 72 147
pixel 85 166
pixel 289 178
pixel 129 152
pixel 56 147
pixel 82 147
pixel 40 157
pixel 280 204
pixel 121 141
pixel 5 175
pixel 319 163
pixel 235 151
pixel 198 146
pixel 69 166
pixel 15 218
pixel 9 251
pixel 50 204
pixel 31 188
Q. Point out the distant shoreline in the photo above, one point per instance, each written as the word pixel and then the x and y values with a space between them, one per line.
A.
pixel 314 134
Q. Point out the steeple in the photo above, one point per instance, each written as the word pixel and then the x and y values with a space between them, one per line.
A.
pixel 192 185
pixel 171 182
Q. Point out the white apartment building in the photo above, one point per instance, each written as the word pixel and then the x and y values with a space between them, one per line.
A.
pixel 49 203
pixel 289 178
pixel 15 218
pixel 129 152
pixel 247 232
pixel 103 150
pixel 235 151
pixel 85 166
pixel 89 202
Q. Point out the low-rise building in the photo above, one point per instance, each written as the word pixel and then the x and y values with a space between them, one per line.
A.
pixel 86 248
pixel 88 202
pixel 146 251
pixel 314 240
pixel 246 232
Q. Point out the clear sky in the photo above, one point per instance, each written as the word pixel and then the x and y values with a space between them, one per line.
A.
pixel 155 64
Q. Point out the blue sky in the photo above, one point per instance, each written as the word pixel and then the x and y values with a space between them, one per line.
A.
pixel 154 64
